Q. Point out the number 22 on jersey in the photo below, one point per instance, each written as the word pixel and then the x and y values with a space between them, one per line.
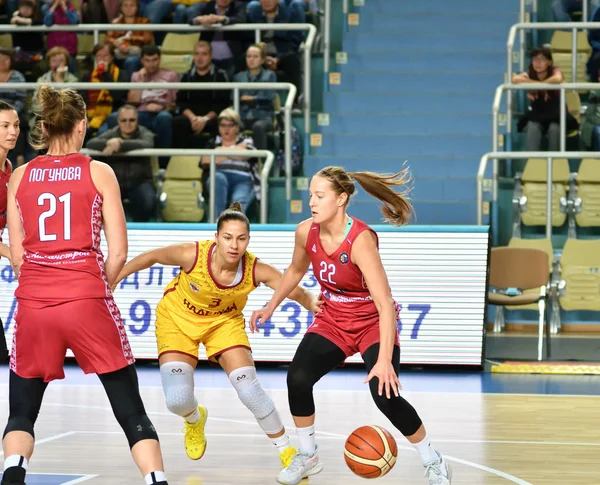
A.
pixel 327 272
pixel 51 199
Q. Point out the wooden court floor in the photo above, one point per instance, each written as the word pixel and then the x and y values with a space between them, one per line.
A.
pixel 494 439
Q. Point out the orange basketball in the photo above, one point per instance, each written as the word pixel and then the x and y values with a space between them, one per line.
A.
pixel 370 451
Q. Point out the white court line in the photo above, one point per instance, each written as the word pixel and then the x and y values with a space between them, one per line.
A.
pixel 333 436
pixel 85 478
pixel 403 391
pixel 50 438
pixel 324 434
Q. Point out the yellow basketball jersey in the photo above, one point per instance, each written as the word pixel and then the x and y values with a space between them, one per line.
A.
pixel 197 299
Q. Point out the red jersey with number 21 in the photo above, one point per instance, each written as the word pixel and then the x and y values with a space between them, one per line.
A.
pixel 61 213
pixel 342 283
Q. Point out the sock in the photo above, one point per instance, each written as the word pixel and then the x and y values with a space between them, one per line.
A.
pixel 15 460
pixel 426 451
pixel 307 439
pixel 155 477
pixel 281 442
pixel 194 417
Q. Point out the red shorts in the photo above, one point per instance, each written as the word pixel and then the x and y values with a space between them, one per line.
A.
pixel 352 336
pixel 91 328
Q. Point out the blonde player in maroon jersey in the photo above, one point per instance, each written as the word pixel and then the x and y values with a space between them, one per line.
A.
pixel 359 313
pixel 57 205
pixel 9 132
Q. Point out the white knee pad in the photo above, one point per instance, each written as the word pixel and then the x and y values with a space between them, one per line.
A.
pixel 255 398
pixel 178 385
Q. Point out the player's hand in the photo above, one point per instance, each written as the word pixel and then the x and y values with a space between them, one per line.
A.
pixel 384 371
pixel 259 317
pixel 315 303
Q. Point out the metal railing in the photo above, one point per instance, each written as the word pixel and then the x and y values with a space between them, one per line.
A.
pixel 523 4
pixel 534 87
pixel 495 156
pixel 534 9
pixel 167 152
pixel 235 87
pixel 531 87
pixel 326 36
pixel 189 29
pixel 521 27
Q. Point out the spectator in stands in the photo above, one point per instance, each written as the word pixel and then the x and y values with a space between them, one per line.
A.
pixel 17 98
pixel 199 108
pixel 155 106
pixel 236 179
pixel 590 130
pixel 101 103
pixel 62 12
pixel 543 116
pixel 9 7
pixel 256 106
pixel 593 63
pixel 128 45
pixel 94 12
pixel 186 10
pixel 227 47
pixel 133 173
pixel 157 11
pixel 58 60
pixel 29 46
pixel 571 10
pixel 281 46
pixel 300 6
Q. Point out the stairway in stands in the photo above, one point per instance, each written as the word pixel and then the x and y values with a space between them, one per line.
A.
pixel 418 86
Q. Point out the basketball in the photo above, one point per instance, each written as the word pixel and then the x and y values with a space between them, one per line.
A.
pixel 370 451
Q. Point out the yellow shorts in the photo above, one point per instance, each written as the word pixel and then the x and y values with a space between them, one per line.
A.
pixel 216 338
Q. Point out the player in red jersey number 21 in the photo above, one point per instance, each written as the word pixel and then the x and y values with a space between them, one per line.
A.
pixel 57 206
pixel 359 313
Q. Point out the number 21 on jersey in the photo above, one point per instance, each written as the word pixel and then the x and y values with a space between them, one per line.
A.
pixel 65 200
pixel 327 272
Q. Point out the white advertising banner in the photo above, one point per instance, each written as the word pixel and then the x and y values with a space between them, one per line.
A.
pixel 438 274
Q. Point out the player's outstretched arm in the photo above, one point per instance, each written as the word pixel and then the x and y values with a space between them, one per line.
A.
pixel 15 226
pixel 292 276
pixel 270 276
pixel 182 255
pixel 113 217
pixel 365 255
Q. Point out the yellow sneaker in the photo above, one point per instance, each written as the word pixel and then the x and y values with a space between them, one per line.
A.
pixel 195 439
pixel 287 455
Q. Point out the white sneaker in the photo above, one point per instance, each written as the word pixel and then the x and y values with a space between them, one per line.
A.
pixel 438 472
pixel 302 466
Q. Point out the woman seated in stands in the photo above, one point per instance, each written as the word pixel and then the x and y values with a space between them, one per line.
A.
pixel 543 115
pixel 256 106
pixel 236 179
pixel 128 44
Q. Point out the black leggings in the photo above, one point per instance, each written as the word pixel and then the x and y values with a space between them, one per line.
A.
pixel 317 356
pixel 3 346
pixel 121 387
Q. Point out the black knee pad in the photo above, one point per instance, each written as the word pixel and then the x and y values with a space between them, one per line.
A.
pixel 300 391
pixel 397 409
pixel 138 428
pixel 19 423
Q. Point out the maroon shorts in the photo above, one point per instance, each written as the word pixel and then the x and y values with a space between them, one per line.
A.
pixel 351 335
pixel 91 328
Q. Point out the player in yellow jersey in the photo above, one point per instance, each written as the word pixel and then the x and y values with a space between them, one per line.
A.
pixel 204 304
